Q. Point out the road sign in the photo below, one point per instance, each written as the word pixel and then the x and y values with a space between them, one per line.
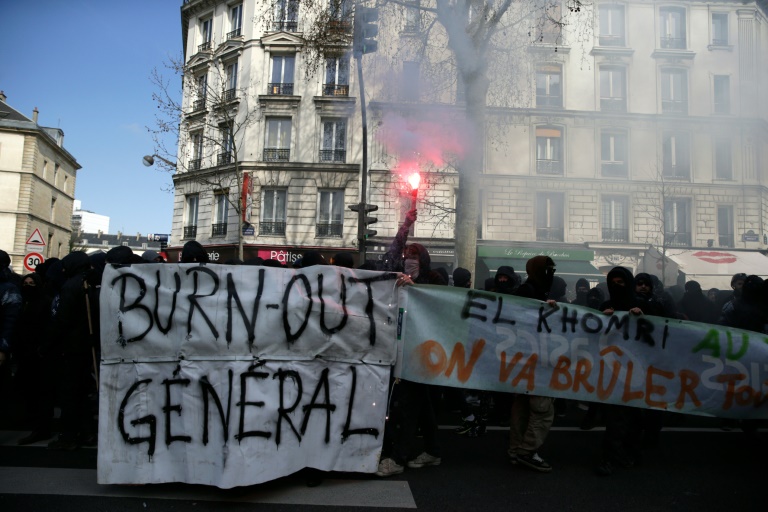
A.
pixel 32 260
pixel 36 238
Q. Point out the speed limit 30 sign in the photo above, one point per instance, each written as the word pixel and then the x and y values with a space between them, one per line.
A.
pixel 32 260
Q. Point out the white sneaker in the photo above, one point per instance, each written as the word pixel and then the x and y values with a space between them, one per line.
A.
pixel 389 467
pixel 424 459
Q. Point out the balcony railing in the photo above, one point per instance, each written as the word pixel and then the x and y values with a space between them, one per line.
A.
pixel 198 105
pixel 234 34
pixel 219 229
pixel 333 155
pixel 230 94
pixel 614 169
pixel 340 25
pixel 195 164
pixel 272 227
pixel 224 158
pixel 725 240
pixel 611 40
pixel 615 235
pixel 190 231
pixel 553 167
pixel 677 239
pixel 285 26
pixel 335 90
pixel 549 100
pixel 206 46
pixel 277 155
pixel 329 229
pixel 673 43
pixel 720 42
pixel 678 171
pixel 674 106
pixel 613 104
pixel 286 89
pixel 550 234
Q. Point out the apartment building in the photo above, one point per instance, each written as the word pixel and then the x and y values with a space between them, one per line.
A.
pixel 637 128
pixel 37 177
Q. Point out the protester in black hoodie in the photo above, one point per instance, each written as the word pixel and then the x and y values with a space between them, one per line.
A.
pixel 506 280
pixel 695 306
pixel 582 289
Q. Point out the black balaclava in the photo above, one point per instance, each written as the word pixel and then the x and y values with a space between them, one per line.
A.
pixel 540 270
pixel 512 282
pixel 622 297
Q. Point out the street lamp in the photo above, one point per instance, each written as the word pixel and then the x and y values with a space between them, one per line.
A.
pixel 149 161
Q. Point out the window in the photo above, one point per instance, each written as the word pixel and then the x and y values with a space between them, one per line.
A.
pixel 613 89
pixel 614 220
pixel 197 151
pixel 53 208
pixel 611 17
pixel 677 223
pixel 230 90
pixel 725 226
pixel 235 21
pixel 206 30
pixel 723 160
pixel 55 173
pixel 282 74
pixel 225 155
pixel 549 90
pixel 272 212
pixel 220 213
pixel 549 150
pixel 341 11
pixel 278 143
pixel 409 88
pixel 719 29
pixel 549 217
pixel 336 76
pixel 286 15
pixel 674 91
pixel 45 169
pixel 201 86
pixel 613 153
pixel 190 217
pixel 334 141
pixel 722 92
pixel 64 186
pixel 676 158
pixel 461 89
pixel 412 16
pixel 672 28
pixel 547 28
pixel 330 213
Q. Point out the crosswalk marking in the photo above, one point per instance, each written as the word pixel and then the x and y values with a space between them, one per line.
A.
pixel 332 492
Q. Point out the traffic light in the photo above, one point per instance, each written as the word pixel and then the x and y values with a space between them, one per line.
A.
pixel 365 30
pixel 364 232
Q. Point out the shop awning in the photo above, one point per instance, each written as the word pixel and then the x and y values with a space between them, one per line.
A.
pixel 714 268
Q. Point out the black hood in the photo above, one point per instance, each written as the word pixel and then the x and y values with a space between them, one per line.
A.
pixel 425 262
pixel 622 297
pixel 193 252
pixel 75 263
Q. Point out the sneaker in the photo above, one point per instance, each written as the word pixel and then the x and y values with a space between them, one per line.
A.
pixel 604 469
pixel 424 459
pixel 34 437
pixel 389 467
pixel 466 427
pixel 533 461
pixel 63 445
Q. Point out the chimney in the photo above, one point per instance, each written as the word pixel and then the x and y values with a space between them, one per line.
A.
pixel 3 97
pixel 34 115
pixel 119 235
pixel 99 233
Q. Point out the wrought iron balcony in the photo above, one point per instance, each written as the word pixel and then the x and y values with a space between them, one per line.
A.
pixel 673 43
pixel 333 155
pixel 219 229
pixel 273 228
pixel 722 107
pixel 190 231
pixel 553 167
pixel 340 25
pixel 205 47
pixel 333 229
pixel 195 164
pixel 549 100
pixel 285 26
pixel 224 158
pixel 674 106
pixel 234 34
pixel 720 42
pixel 335 90
pixel 613 104
pixel 676 171
pixel 285 89
pixel 677 239
pixel 611 40
pixel 277 155
pixel 230 94
pixel 615 235
pixel 550 234
pixel 614 169
pixel 198 105
pixel 725 240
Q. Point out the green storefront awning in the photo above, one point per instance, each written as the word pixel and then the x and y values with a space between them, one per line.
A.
pixel 564 268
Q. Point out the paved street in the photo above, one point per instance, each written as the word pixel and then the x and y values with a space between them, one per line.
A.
pixel 698 467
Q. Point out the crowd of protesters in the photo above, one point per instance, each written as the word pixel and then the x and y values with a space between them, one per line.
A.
pixel 49 340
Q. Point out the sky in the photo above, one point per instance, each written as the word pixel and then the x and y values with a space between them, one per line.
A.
pixel 86 65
